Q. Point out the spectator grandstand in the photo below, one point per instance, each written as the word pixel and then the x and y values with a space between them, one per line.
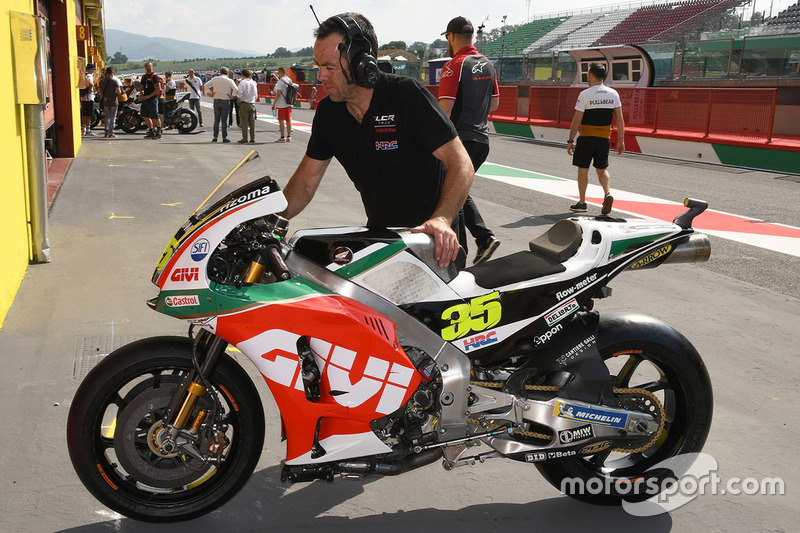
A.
pixel 786 21
pixel 660 22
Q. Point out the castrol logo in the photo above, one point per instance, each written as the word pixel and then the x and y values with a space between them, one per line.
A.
pixel 182 301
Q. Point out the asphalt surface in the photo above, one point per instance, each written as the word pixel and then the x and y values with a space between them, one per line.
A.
pixel 123 199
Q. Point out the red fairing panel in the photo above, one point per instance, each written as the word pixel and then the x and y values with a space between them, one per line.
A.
pixel 359 359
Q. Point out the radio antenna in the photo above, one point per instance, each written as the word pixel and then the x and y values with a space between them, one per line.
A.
pixel 315 14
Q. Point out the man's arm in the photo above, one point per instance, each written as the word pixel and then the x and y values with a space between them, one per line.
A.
pixel 457 183
pixel 620 130
pixel 495 104
pixel 447 105
pixel 303 185
pixel 573 130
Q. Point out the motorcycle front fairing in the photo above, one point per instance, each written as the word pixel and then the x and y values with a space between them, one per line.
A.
pixel 364 374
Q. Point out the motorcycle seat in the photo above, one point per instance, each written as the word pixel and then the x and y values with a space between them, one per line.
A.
pixel 560 242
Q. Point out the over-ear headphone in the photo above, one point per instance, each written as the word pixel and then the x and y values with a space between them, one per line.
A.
pixel 359 52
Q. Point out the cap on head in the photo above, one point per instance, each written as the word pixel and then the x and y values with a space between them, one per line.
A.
pixel 460 26
pixel 90 66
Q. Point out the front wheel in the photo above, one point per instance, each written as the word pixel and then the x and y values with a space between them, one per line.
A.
pixel 116 426
pixel 129 121
pixel 643 353
pixel 187 121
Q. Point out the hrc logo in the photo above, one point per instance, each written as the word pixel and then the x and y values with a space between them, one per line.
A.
pixel 386 145
pixel 479 340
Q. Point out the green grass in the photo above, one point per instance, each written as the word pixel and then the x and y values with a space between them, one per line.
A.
pixel 202 65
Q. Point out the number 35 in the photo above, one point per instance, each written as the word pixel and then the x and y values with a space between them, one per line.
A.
pixel 479 314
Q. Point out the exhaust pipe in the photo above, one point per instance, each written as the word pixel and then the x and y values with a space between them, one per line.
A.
pixel 695 250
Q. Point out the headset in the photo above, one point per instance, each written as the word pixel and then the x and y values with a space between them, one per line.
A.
pixel 359 51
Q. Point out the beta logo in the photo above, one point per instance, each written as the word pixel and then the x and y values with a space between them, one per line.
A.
pixel 386 145
pixel 200 250
pixel 480 340
pixel 185 274
pixel 182 301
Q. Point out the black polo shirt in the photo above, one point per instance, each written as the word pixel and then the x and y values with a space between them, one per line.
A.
pixel 389 156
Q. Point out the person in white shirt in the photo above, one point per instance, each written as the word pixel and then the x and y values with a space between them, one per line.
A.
pixel 223 89
pixel 284 109
pixel 195 84
pixel 248 93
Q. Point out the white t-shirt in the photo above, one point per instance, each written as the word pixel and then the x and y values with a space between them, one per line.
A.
pixel 222 86
pixel 248 91
pixel 197 84
pixel 281 86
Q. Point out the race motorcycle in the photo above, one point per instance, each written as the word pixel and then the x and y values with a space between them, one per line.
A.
pixel 175 115
pixel 381 362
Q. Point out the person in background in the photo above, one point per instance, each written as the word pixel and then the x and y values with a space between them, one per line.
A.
pixel 468 92
pixel 110 88
pixel 247 94
pixel 195 84
pixel 284 109
pixel 87 100
pixel 172 87
pixel 594 110
pixel 151 87
pixel 223 90
pixel 234 101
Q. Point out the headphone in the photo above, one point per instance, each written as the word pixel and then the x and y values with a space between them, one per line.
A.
pixel 363 65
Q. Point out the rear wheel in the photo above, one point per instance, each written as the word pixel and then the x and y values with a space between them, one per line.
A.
pixel 660 360
pixel 115 433
pixel 187 121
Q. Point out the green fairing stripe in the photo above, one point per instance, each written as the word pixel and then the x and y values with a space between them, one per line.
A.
pixel 497 170
pixel 223 298
pixel 365 263
pixel 618 247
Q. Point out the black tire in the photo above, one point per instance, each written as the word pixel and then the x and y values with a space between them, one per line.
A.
pixel 121 395
pixel 187 121
pixel 97 116
pixel 129 122
pixel 633 346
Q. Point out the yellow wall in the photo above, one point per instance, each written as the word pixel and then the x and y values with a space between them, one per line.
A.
pixel 14 242
pixel 14 230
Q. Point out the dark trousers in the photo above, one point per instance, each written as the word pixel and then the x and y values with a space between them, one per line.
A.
pixel 471 216
pixel 221 108
pixel 194 103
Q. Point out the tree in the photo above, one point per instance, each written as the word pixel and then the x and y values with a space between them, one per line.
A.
pixel 307 51
pixel 118 59
pixel 281 52
pixel 419 48
pixel 393 45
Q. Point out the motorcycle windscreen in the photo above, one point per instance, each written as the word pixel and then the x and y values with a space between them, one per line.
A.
pixel 246 181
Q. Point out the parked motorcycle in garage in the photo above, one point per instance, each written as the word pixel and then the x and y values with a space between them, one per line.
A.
pixel 380 361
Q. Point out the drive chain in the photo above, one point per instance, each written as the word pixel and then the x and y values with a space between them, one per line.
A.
pixel 658 413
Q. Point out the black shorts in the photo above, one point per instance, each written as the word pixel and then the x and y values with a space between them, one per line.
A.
pixel 150 108
pixel 160 106
pixel 591 148
pixel 86 108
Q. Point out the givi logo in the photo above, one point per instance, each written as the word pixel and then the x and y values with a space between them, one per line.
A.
pixel 388 381
pixel 185 274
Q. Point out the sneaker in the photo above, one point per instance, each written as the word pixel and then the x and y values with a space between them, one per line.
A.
pixel 486 250
pixel 281 140
pixel 90 134
pixel 112 135
pixel 241 141
pixel 608 201
pixel 226 140
pixel 288 139
pixel 578 208
pixel 149 135
pixel 214 140
pixel 252 140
